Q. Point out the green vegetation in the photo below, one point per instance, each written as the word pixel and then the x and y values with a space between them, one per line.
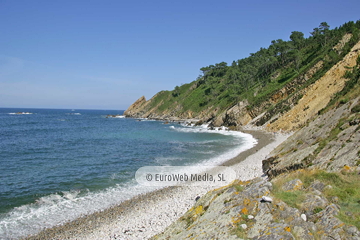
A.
pixel 239 188
pixel 259 76
pixel 345 186
pixel 239 231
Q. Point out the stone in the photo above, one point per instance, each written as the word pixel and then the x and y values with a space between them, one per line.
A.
pixel 303 216
pixel 268 185
pixel 316 192
pixel 313 202
pixel 352 230
pixel 293 185
pixel 334 199
pixel 328 187
pixel 302 233
pixel 266 199
pixel 317 185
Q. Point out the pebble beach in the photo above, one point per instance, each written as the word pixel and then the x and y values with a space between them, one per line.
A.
pixel 149 214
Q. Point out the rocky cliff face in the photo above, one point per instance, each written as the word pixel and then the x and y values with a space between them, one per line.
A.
pixel 329 142
pixel 136 107
pixel 317 95
pixel 311 175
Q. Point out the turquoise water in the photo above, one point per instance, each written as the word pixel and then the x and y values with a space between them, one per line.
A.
pixel 56 165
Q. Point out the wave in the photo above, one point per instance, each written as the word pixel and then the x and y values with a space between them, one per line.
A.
pixel 59 208
pixel 145 120
pixel 20 113
pixel 73 113
pixel 246 141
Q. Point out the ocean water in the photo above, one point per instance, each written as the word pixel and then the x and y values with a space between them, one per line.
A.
pixel 56 165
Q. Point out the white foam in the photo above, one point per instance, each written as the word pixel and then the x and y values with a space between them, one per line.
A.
pixel 59 208
pixel 21 113
pixel 145 120
pixel 73 113
pixel 248 141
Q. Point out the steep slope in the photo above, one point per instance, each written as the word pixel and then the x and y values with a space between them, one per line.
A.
pixel 313 178
pixel 314 190
pixel 317 95
pixel 263 89
pixel 329 142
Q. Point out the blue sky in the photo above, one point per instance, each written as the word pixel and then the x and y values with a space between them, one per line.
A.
pixel 106 54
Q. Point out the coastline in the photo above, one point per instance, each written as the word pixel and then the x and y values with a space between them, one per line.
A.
pixel 149 214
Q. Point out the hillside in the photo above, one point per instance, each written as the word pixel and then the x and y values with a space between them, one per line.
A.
pixel 313 183
pixel 262 86
pixel 306 86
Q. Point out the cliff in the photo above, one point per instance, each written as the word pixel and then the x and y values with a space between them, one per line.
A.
pixel 312 185
pixel 285 99
pixel 312 189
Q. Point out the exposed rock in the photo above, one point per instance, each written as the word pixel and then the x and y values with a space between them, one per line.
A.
pixel 317 95
pixel 283 99
pixel 227 213
pixel 346 38
pixel 237 115
pixel 317 185
pixel 314 202
pixel 305 149
pixel 293 185
pixel 136 107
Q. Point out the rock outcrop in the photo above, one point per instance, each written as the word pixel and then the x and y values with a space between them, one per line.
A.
pixel 329 142
pixel 136 107
pixel 238 211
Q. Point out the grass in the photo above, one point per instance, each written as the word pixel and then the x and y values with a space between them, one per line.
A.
pixel 239 232
pixel 345 186
pixel 293 199
pixel 239 188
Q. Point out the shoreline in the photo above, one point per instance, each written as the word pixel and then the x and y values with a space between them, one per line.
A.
pixel 149 214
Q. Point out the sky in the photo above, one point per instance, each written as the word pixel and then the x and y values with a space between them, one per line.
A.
pixel 105 54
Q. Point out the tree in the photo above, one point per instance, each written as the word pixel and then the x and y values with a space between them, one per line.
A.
pixel 321 33
pixel 324 29
pixel 297 57
pixel 280 48
pixel 297 38
pixel 176 91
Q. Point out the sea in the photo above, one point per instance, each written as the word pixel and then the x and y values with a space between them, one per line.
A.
pixel 59 164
